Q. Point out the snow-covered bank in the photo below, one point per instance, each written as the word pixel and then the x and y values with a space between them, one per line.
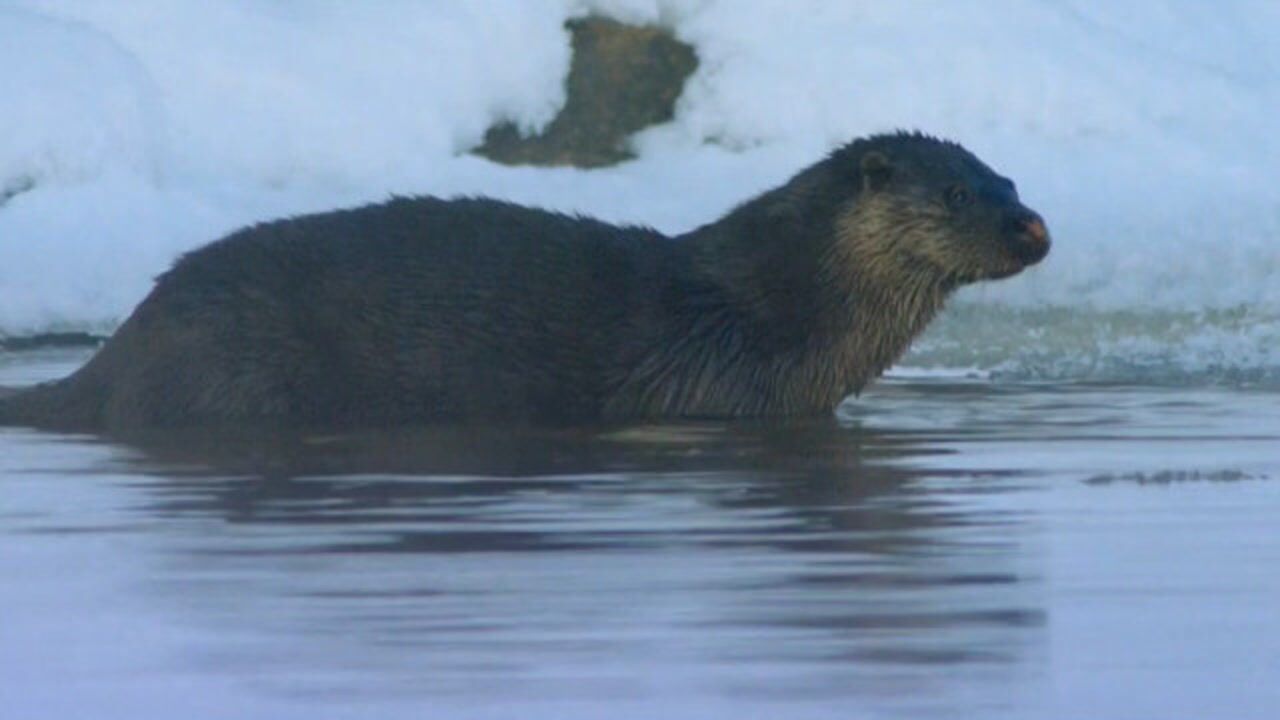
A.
pixel 1143 132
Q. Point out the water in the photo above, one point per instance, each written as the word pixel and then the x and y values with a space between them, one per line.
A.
pixel 947 548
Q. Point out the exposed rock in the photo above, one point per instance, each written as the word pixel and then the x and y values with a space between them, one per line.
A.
pixel 14 187
pixel 622 78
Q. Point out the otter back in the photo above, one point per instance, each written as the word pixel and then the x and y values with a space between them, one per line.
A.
pixel 413 310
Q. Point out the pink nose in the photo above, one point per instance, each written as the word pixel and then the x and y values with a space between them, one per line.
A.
pixel 1036 229
pixel 1034 244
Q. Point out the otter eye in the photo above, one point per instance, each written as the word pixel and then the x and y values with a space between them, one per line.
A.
pixel 959 196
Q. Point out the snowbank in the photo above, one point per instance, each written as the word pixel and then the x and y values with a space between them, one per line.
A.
pixel 1143 132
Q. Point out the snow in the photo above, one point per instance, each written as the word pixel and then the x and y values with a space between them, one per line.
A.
pixel 1143 131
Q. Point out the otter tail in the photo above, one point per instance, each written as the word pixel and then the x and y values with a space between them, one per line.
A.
pixel 13 406
pixel 59 404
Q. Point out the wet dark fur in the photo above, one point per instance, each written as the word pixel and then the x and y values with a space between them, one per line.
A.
pixel 422 310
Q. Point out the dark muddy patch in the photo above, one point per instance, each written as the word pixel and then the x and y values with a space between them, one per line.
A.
pixel 14 187
pixel 622 79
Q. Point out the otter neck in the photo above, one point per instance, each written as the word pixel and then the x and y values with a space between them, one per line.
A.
pixel 778 312
pixel 890 294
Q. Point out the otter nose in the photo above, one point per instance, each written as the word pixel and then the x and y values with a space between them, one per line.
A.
pixel 1036 229
pixel 1032 242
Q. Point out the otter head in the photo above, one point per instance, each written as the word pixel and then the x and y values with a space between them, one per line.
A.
pixel 929 206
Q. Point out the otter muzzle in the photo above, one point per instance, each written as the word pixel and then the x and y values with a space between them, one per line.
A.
pixel 1032 242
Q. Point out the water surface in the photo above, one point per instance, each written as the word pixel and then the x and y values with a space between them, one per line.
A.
pixel 945 548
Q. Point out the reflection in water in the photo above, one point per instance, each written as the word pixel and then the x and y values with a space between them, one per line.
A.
pixel 916 561
pixel 783 563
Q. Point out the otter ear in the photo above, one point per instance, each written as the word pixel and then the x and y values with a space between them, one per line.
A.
pixel 876 170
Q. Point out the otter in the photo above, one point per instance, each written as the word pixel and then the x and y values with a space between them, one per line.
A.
pixel 422 310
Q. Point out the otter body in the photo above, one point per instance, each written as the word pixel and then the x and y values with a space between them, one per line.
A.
pixel 424 310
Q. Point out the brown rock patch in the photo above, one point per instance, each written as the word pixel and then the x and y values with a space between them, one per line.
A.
pixel 622 79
